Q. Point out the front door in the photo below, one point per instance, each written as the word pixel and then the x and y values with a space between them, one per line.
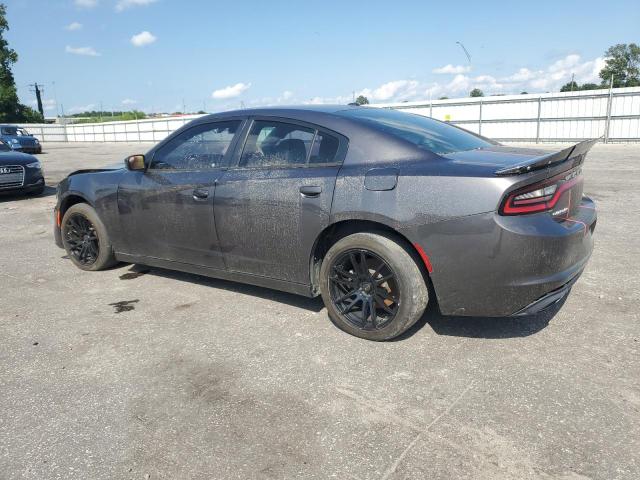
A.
pixel 271 206
pixel 166 212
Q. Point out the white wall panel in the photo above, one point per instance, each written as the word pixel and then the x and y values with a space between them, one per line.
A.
pixel 582 114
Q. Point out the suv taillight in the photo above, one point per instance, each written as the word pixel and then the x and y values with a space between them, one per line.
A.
pixel 541 196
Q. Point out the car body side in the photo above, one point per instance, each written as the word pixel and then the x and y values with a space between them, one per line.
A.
pixel 445 212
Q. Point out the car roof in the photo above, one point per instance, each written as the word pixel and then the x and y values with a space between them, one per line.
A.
pixel 321 108
pixel 325 115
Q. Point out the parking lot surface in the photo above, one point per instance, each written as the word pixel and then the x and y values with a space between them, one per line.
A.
pixel 141 373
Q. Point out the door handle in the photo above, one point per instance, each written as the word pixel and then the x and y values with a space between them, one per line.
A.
pixel 310 190
pixel 200 194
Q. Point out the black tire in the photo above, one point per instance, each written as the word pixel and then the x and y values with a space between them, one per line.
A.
pixel 85 238
pixel 399 301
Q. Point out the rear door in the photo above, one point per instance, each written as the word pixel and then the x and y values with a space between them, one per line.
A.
pixel 273 202
pixel 166 211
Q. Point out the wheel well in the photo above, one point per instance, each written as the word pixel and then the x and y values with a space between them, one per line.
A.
pixel 330 235
pixel 69 201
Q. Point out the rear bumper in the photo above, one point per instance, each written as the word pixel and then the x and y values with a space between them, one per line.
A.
pixel 496 266
pixel 548 300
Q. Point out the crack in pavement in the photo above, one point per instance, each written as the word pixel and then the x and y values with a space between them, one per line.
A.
pixel 392 468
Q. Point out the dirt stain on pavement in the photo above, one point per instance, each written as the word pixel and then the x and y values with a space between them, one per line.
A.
pixel 133 274
pixel 124 306
pixel 184 306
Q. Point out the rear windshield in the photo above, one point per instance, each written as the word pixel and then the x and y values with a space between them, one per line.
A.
pixel 424 132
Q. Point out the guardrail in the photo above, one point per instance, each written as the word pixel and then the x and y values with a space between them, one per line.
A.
pixel 550 117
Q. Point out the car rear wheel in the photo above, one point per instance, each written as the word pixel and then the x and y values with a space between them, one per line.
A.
pixel 372 286
pixel 85 238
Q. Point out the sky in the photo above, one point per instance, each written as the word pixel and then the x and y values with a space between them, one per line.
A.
pixel 175 55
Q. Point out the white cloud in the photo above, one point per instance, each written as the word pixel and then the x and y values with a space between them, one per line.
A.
pixel 85 108
pixel 549 78
pixel 124 4
pixel 231 91
pixel 397 89
pixel 73 26
pixel 86 3
pixel 129 101
pixel 143 38
pixel 452 69
pixel 86 51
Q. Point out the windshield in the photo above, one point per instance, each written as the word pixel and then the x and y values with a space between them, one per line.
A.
pixel 424 132
pixel 15 131
pixel 10 130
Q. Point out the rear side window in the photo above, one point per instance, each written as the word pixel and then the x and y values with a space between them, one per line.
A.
pixel 271 144
pixel 280 144
pixel 424 132
pixel 325 149
pixel 199 148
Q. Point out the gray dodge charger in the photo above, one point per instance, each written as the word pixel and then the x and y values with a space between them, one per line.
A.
pixel 378 211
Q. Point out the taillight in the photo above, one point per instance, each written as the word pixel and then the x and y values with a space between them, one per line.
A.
pixel 539 197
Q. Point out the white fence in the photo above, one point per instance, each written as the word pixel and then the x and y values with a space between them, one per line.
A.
pixel 549 117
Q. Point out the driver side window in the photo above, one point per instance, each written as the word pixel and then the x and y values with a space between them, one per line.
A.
pixel 202 147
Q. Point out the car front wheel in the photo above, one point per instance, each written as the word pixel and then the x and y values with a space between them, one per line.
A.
pixel 85 238
pixel 372 286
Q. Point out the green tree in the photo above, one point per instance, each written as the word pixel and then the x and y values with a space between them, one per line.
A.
pixel 570 87
pixel 362 100
pixel 623 63
pixel 443 98
pixel 11 110
pixel 476 92
pixel 590 86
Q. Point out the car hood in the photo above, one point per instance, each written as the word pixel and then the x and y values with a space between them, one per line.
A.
pixel 16 158
pixel 107 168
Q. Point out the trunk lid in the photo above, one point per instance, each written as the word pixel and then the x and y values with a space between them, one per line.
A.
pixel 502 160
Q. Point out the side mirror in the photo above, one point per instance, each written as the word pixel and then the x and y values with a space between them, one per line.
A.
pixel 134 162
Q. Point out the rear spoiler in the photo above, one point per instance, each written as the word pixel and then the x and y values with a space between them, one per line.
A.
pixel 576 153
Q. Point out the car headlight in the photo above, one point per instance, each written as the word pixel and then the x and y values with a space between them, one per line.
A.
pixel 35 164
pixel 13 140
pixel 36 141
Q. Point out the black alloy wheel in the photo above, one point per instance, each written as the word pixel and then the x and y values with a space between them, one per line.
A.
pixel 81 237
pixel 364 289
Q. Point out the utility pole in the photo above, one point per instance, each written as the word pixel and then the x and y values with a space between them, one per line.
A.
pixel 55 98
pixel 38 91
pixel 573 75
pixel 184 107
